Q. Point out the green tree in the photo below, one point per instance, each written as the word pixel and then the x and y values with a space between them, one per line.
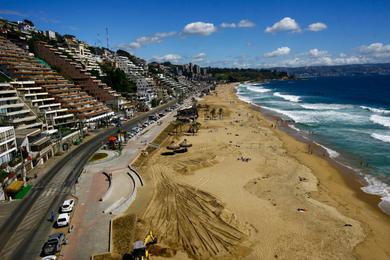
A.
pixel 155 102
pixel 117 79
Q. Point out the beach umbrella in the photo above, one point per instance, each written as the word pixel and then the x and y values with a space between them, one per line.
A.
pixel 112 139
pixel 185 144
pixel 173 146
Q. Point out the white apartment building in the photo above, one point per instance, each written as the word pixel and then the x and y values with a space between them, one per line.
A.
pixel 128 67
pixel 7 144
pixel 43 105
pixel 13 111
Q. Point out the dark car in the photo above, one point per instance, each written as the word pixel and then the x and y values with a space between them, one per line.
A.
pixel 53 244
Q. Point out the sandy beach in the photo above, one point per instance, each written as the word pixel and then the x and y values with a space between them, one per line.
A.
pixel 247 190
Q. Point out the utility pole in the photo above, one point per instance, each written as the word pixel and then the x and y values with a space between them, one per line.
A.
pixel 107 37
pixel 23 169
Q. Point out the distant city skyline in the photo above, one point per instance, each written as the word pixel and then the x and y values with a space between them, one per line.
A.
pixel 223 33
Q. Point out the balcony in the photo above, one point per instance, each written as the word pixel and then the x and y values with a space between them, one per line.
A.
pixel 33 125
pixel 24 119
pixel 23 111
pixel 8 91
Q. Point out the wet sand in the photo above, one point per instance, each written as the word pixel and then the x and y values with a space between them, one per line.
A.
pixel 250 191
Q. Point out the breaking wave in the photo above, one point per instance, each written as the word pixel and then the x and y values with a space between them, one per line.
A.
pixel 376 110
pixel 380 120
pixel 321 106
pixel 291 98
pixel 258 89
pixel 384 138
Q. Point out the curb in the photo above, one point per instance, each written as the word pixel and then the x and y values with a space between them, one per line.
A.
pixel 109 190
pixel 125 204
pixel 132 169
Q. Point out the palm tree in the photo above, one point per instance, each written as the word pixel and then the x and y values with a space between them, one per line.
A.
pixel 206 109
pixel 178 125
pixel 194 127
pixel 220 112
pixel 213 111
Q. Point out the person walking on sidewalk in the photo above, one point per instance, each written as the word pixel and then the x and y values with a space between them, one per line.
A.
pixel 52 216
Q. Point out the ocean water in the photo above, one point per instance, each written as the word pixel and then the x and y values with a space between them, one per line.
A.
pixel 348 116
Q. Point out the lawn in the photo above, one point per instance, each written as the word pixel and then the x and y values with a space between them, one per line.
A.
pixel 20 195
pixel 98 156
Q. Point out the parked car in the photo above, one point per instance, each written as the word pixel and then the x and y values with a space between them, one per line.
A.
pixel 63 220
pixel 53 244
pixel 67 206
pixel 49 257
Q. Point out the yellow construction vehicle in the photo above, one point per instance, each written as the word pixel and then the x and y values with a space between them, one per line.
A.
pixel 141 248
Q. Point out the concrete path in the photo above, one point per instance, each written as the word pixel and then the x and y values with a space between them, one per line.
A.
pixel 122 187
pixel 91 226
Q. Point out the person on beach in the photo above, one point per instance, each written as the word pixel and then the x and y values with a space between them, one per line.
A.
pixel 309 149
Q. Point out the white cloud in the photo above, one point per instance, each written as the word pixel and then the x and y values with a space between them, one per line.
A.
pixel 199 57
pixel 146 40
pixel 278 52
pixel 324 59
pixel 174 58
pixel 377 49
pixel 295 62
pixel 10 12
pixel 316 27
pixel 349 60
pixel 317 53
pixel 246 24
pixel 200 28
pixel 286 24
pixel 228 25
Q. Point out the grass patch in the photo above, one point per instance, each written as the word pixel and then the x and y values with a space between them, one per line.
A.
pixel 123 229
pixel 98 156
pixel 23 192
pixel 107 256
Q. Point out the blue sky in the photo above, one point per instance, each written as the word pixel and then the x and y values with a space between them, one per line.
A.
pixel 223 33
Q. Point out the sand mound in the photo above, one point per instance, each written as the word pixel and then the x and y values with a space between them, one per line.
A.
pixel 193 220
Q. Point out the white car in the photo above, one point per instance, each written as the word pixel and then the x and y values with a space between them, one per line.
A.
pixel 67 206
pixel 63 220
pixel 49 257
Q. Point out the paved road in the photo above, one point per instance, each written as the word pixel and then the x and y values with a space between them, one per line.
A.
pixel 24 232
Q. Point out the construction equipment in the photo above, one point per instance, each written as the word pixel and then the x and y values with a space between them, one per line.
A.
pixel 141 248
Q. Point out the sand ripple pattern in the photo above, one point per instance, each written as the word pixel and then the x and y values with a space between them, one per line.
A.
pixel 193 219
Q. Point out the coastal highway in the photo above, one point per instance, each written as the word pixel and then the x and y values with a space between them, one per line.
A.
pixel 25 231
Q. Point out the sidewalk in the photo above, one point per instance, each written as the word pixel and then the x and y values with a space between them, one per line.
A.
pixel 91 225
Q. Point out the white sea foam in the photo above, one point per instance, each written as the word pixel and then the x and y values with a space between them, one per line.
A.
pixel 258 89
pixel 291 98
pixel 245 99
pixel 384 138
pixel 381 120
pixel 376 110
pixel 308 117
pixel 377 187
pixel 331 153
pixel 321 106
pixel 294 127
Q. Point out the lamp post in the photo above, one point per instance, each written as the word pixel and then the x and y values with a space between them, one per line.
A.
pixel 23 169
